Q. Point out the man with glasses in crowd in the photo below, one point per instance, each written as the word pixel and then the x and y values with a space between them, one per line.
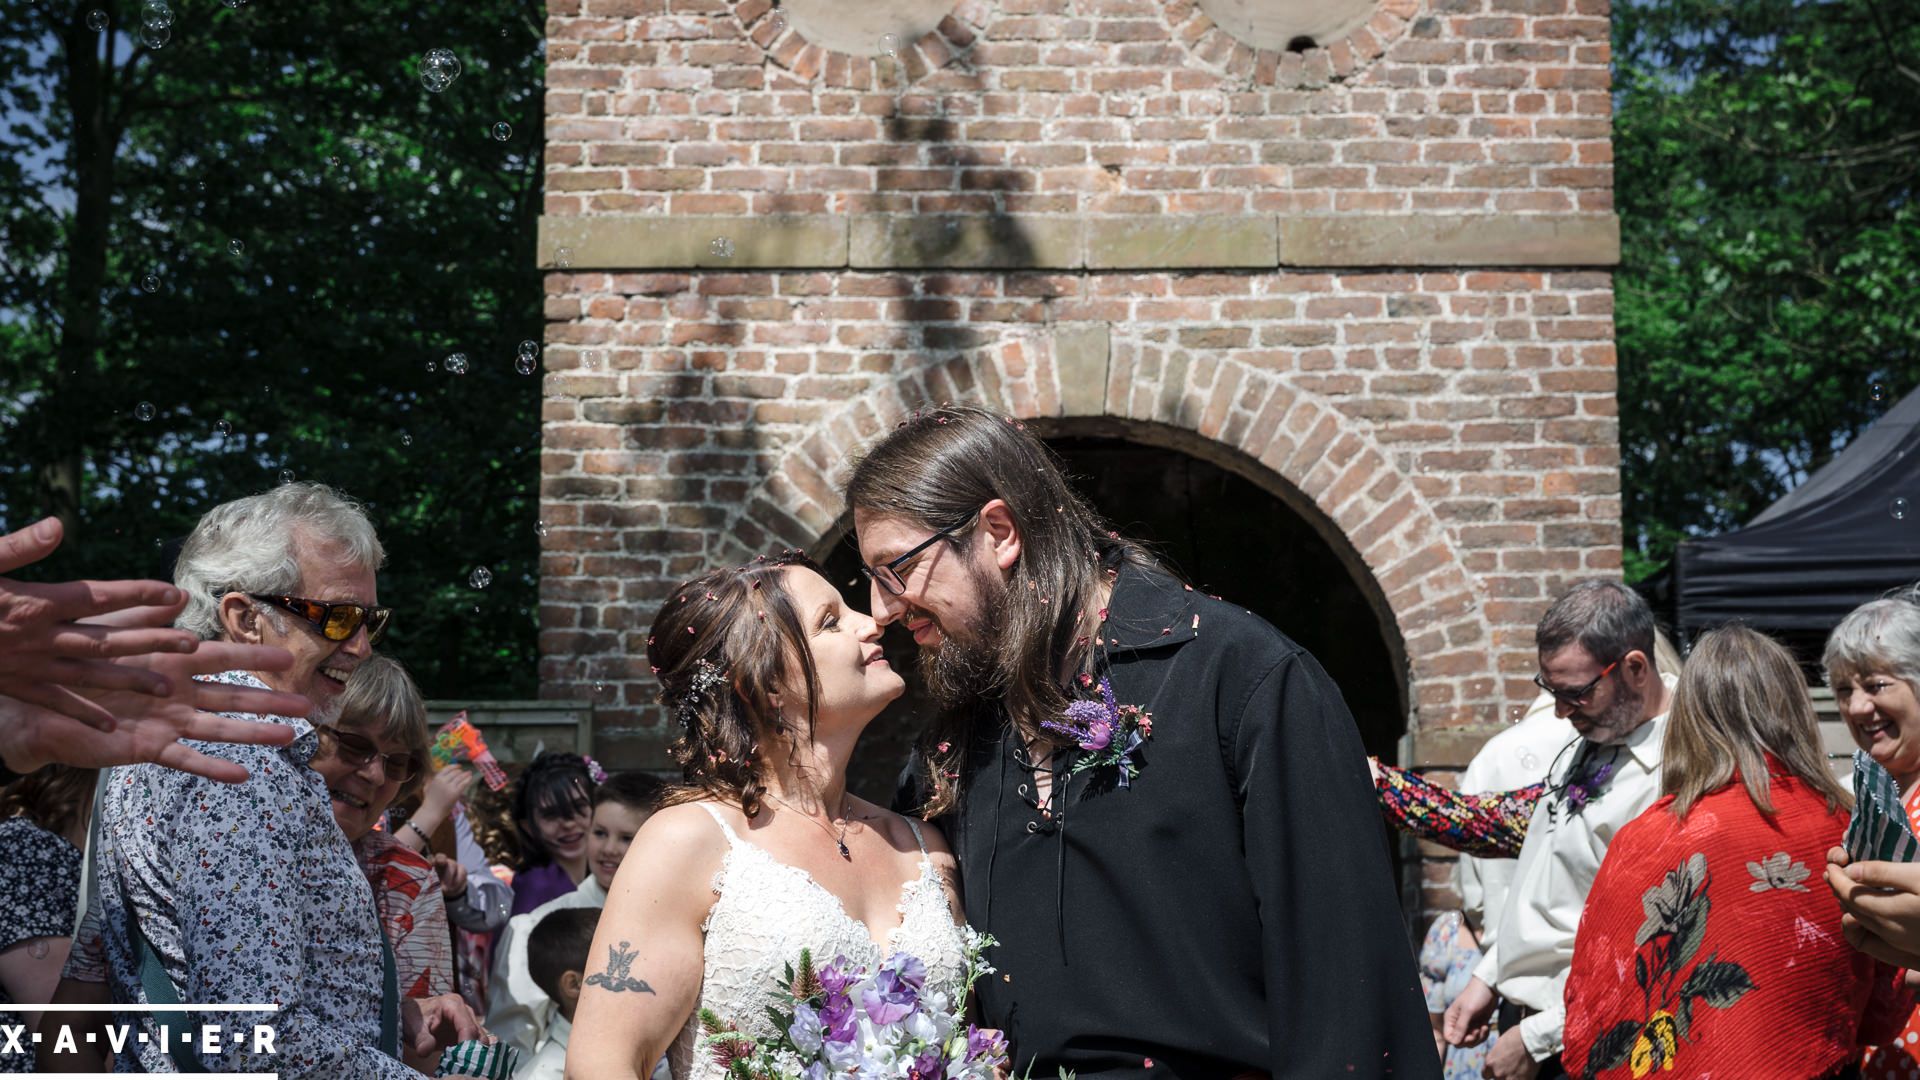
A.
pixel 1220 905
pixel 213 893
pixel 1596 648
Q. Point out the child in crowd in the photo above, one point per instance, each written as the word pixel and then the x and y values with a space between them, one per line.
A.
pixel 552 801
pixel 557 961
pixel 519 1009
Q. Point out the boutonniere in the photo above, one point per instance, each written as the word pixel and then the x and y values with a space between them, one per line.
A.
pixel 1587 778
pixel 1110 733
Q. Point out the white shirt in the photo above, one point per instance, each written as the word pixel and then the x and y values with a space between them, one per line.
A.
pixel 1528 960
pixel 1512 759
pixel 518 1011
pixel 551 1062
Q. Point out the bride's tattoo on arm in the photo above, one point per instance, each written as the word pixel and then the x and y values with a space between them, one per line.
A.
pixel 618 977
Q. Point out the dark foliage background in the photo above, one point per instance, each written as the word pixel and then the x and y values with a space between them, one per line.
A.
pixel 269 223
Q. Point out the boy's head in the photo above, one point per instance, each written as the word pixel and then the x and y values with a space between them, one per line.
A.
pixel 557 954
pixel 620 807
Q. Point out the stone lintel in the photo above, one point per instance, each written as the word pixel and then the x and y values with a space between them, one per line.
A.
pixel 1446 748
pixel 1442 240
pixel 1080 355
pixel 1183 242
pixel 646 242
pixel 966 242
pixel 1057 242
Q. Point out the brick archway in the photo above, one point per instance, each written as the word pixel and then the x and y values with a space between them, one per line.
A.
pixel 1296 444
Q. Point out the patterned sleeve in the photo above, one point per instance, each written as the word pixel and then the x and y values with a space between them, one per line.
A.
pixel 242 931
pixel 1491 826
pixel 413 913
pixel 39 885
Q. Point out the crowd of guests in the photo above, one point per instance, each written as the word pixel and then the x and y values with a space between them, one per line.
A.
pixel 246 810
pixel 1652 878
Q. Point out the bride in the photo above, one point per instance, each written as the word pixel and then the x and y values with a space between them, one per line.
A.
pixel 763 853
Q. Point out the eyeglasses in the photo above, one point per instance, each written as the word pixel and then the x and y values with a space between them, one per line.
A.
pixel 357 751
pixel 335 621
pixel 1579 694
pixel 888 573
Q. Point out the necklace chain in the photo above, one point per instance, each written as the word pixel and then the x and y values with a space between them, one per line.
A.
pixel 840 839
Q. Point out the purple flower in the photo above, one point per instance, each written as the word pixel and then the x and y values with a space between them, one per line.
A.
pixel 839 1016
pixel 895 991
pixel 805 1031
pixel 985 1044
pixel 927 1066
pixel 837 976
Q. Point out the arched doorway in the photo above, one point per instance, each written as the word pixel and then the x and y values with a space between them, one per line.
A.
pixel 1227 526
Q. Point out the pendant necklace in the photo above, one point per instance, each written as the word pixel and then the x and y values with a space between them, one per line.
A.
pixel 840 839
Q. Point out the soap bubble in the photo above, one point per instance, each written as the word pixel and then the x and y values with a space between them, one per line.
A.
pixel 96 20
pixel 529 349
pixel 563 257
pixel 1878 391
pixel 722 247
pixel 1898 508
pixel 523 364
pixel 150 283
pixel 480 578
pixel 286 476
pixel 154 37
pixel 236 247
pixel 438 69
pixel 233 5
pixel 144 410
pixel 889 44
pixel 502 131
pixel 406 439
pixel 156 15
pixel 457 363
pixel 540 529
pixel 223 428
pixel 431 366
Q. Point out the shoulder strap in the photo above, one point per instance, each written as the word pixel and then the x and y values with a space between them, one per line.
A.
pixel 159 990
pixel 914 824
pixel 714 811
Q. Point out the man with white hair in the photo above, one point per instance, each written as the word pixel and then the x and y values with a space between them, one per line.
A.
pixel 212 893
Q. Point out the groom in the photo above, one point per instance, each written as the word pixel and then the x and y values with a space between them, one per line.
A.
pixel 1202 889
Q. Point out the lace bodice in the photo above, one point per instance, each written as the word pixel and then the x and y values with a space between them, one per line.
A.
pixel 767 911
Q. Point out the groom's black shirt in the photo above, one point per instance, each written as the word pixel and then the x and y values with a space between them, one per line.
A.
pixel 1234 909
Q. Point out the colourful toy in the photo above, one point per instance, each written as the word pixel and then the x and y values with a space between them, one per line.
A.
pixel 458 742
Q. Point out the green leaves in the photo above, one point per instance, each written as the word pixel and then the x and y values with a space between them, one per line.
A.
pixel 1766 157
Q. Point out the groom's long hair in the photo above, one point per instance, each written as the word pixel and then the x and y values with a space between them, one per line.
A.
pixel 940 466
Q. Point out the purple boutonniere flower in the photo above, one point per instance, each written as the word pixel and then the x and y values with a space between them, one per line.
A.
pixel 1111 733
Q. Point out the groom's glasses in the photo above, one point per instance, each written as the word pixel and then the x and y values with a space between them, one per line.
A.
pixel 888 573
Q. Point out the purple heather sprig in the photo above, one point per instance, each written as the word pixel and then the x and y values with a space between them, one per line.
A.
pixel 1108 731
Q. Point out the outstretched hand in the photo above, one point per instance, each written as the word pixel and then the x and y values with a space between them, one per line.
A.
pixel 146 727
pixel 1879 907
pixel 50 659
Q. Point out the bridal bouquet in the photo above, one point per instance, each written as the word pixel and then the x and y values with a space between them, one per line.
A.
pixel 843 1020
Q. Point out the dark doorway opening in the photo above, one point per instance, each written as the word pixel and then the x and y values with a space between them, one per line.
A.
pixel 1223 533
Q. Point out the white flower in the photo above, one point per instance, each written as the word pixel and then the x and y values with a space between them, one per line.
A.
pixel 1778 871
pixel 1664 902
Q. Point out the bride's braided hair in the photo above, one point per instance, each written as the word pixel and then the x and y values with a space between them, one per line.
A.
pixel 722 646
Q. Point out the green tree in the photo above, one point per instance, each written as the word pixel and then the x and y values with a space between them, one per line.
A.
pixel 267 236
pixel 1768 301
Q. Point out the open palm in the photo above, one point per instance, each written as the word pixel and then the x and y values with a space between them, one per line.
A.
pixel 148 728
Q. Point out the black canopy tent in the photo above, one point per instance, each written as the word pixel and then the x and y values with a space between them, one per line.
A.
pixel 1846 535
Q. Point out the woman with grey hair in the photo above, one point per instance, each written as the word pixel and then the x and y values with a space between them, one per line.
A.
pixel 1873 664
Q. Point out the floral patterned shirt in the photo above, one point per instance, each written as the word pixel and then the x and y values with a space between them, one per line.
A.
pixel 249 893
pixel 39 890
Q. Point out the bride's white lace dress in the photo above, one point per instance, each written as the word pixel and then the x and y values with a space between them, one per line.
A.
pixel 767 911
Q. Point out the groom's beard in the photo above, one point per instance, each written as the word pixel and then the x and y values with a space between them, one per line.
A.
pixel 965 664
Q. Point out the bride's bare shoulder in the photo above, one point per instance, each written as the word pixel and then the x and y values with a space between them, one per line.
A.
pixel 686 830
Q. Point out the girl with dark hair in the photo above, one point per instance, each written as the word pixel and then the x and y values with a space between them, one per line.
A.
pixel 553 803
pixel 43 823
pixel 762 852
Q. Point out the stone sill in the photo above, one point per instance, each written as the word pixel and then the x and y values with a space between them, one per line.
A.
pixel 1056 242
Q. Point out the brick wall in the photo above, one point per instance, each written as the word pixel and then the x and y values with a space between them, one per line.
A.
pixel 1371 272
